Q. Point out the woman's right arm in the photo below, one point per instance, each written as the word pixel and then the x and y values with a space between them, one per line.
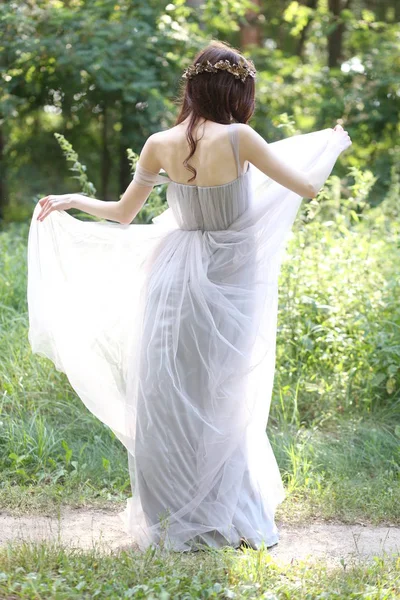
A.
pixel 308 183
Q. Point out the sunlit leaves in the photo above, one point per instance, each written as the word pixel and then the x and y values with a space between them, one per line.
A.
pixel 298 16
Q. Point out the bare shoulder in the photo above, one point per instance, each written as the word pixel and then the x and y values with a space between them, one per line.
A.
pixel 165 134
pixel 244 126
pixel 155 147
pixel 247 132
pixel 150 154
pixel 161 139
pixel 155 139
pixel 251 144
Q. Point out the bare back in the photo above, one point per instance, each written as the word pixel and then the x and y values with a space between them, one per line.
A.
pixel 213 159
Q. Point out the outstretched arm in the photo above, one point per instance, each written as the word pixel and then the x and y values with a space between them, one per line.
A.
pixel 122 211
pixel 307 184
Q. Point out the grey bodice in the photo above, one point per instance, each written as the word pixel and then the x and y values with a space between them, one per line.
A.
pixel 210 208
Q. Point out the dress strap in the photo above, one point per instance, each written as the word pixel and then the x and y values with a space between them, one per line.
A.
pixel 144 177
pixel 234 139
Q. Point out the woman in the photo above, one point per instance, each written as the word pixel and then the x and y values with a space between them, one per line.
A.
pixel 167 331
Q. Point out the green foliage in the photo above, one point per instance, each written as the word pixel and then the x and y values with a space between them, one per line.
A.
pixel 222 17
pixel 85 185
pixel 104 71
pixel 339 328
pixel 347 470
pixel 298 15
pixel 109 74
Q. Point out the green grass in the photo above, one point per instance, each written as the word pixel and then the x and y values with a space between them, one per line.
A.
pixel 349 474
pixel 47 571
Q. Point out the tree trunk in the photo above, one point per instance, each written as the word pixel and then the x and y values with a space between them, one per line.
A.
pixel 303 36
pixel 106 162
pixel 335 38
pixel 397 11
pixel 250 33
pixel 385 10
pixel 124 168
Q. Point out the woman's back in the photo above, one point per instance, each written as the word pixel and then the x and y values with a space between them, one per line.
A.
pixel 213 159
pixel 212 206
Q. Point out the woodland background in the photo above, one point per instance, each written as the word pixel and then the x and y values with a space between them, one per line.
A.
pixel 103 75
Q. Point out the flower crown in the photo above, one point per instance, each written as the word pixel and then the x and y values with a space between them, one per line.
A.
pixel 240 71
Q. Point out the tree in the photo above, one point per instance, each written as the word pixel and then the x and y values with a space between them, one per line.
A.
pixel 335 35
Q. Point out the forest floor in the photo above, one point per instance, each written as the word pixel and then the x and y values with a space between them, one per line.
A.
pixel 103 529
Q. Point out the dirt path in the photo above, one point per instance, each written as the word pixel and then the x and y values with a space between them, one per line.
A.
pixel 103 529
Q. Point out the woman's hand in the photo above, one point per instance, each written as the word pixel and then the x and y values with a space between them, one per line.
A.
pixel 55 202
pixel 340 139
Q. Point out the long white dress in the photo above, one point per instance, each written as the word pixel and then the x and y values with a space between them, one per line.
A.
pixel 167 333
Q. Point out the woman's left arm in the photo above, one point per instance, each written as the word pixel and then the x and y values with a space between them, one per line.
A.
pixel 122 211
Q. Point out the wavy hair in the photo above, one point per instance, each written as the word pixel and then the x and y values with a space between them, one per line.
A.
pixel 218 97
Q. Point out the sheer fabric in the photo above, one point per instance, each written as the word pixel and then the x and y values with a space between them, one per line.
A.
pixel 167 333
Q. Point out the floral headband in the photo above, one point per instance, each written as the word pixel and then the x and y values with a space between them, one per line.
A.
pixel 240 71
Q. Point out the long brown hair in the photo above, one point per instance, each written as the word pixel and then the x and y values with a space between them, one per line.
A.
pixel 218 97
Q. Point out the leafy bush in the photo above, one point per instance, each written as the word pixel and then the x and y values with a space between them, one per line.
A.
pixel 338 342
